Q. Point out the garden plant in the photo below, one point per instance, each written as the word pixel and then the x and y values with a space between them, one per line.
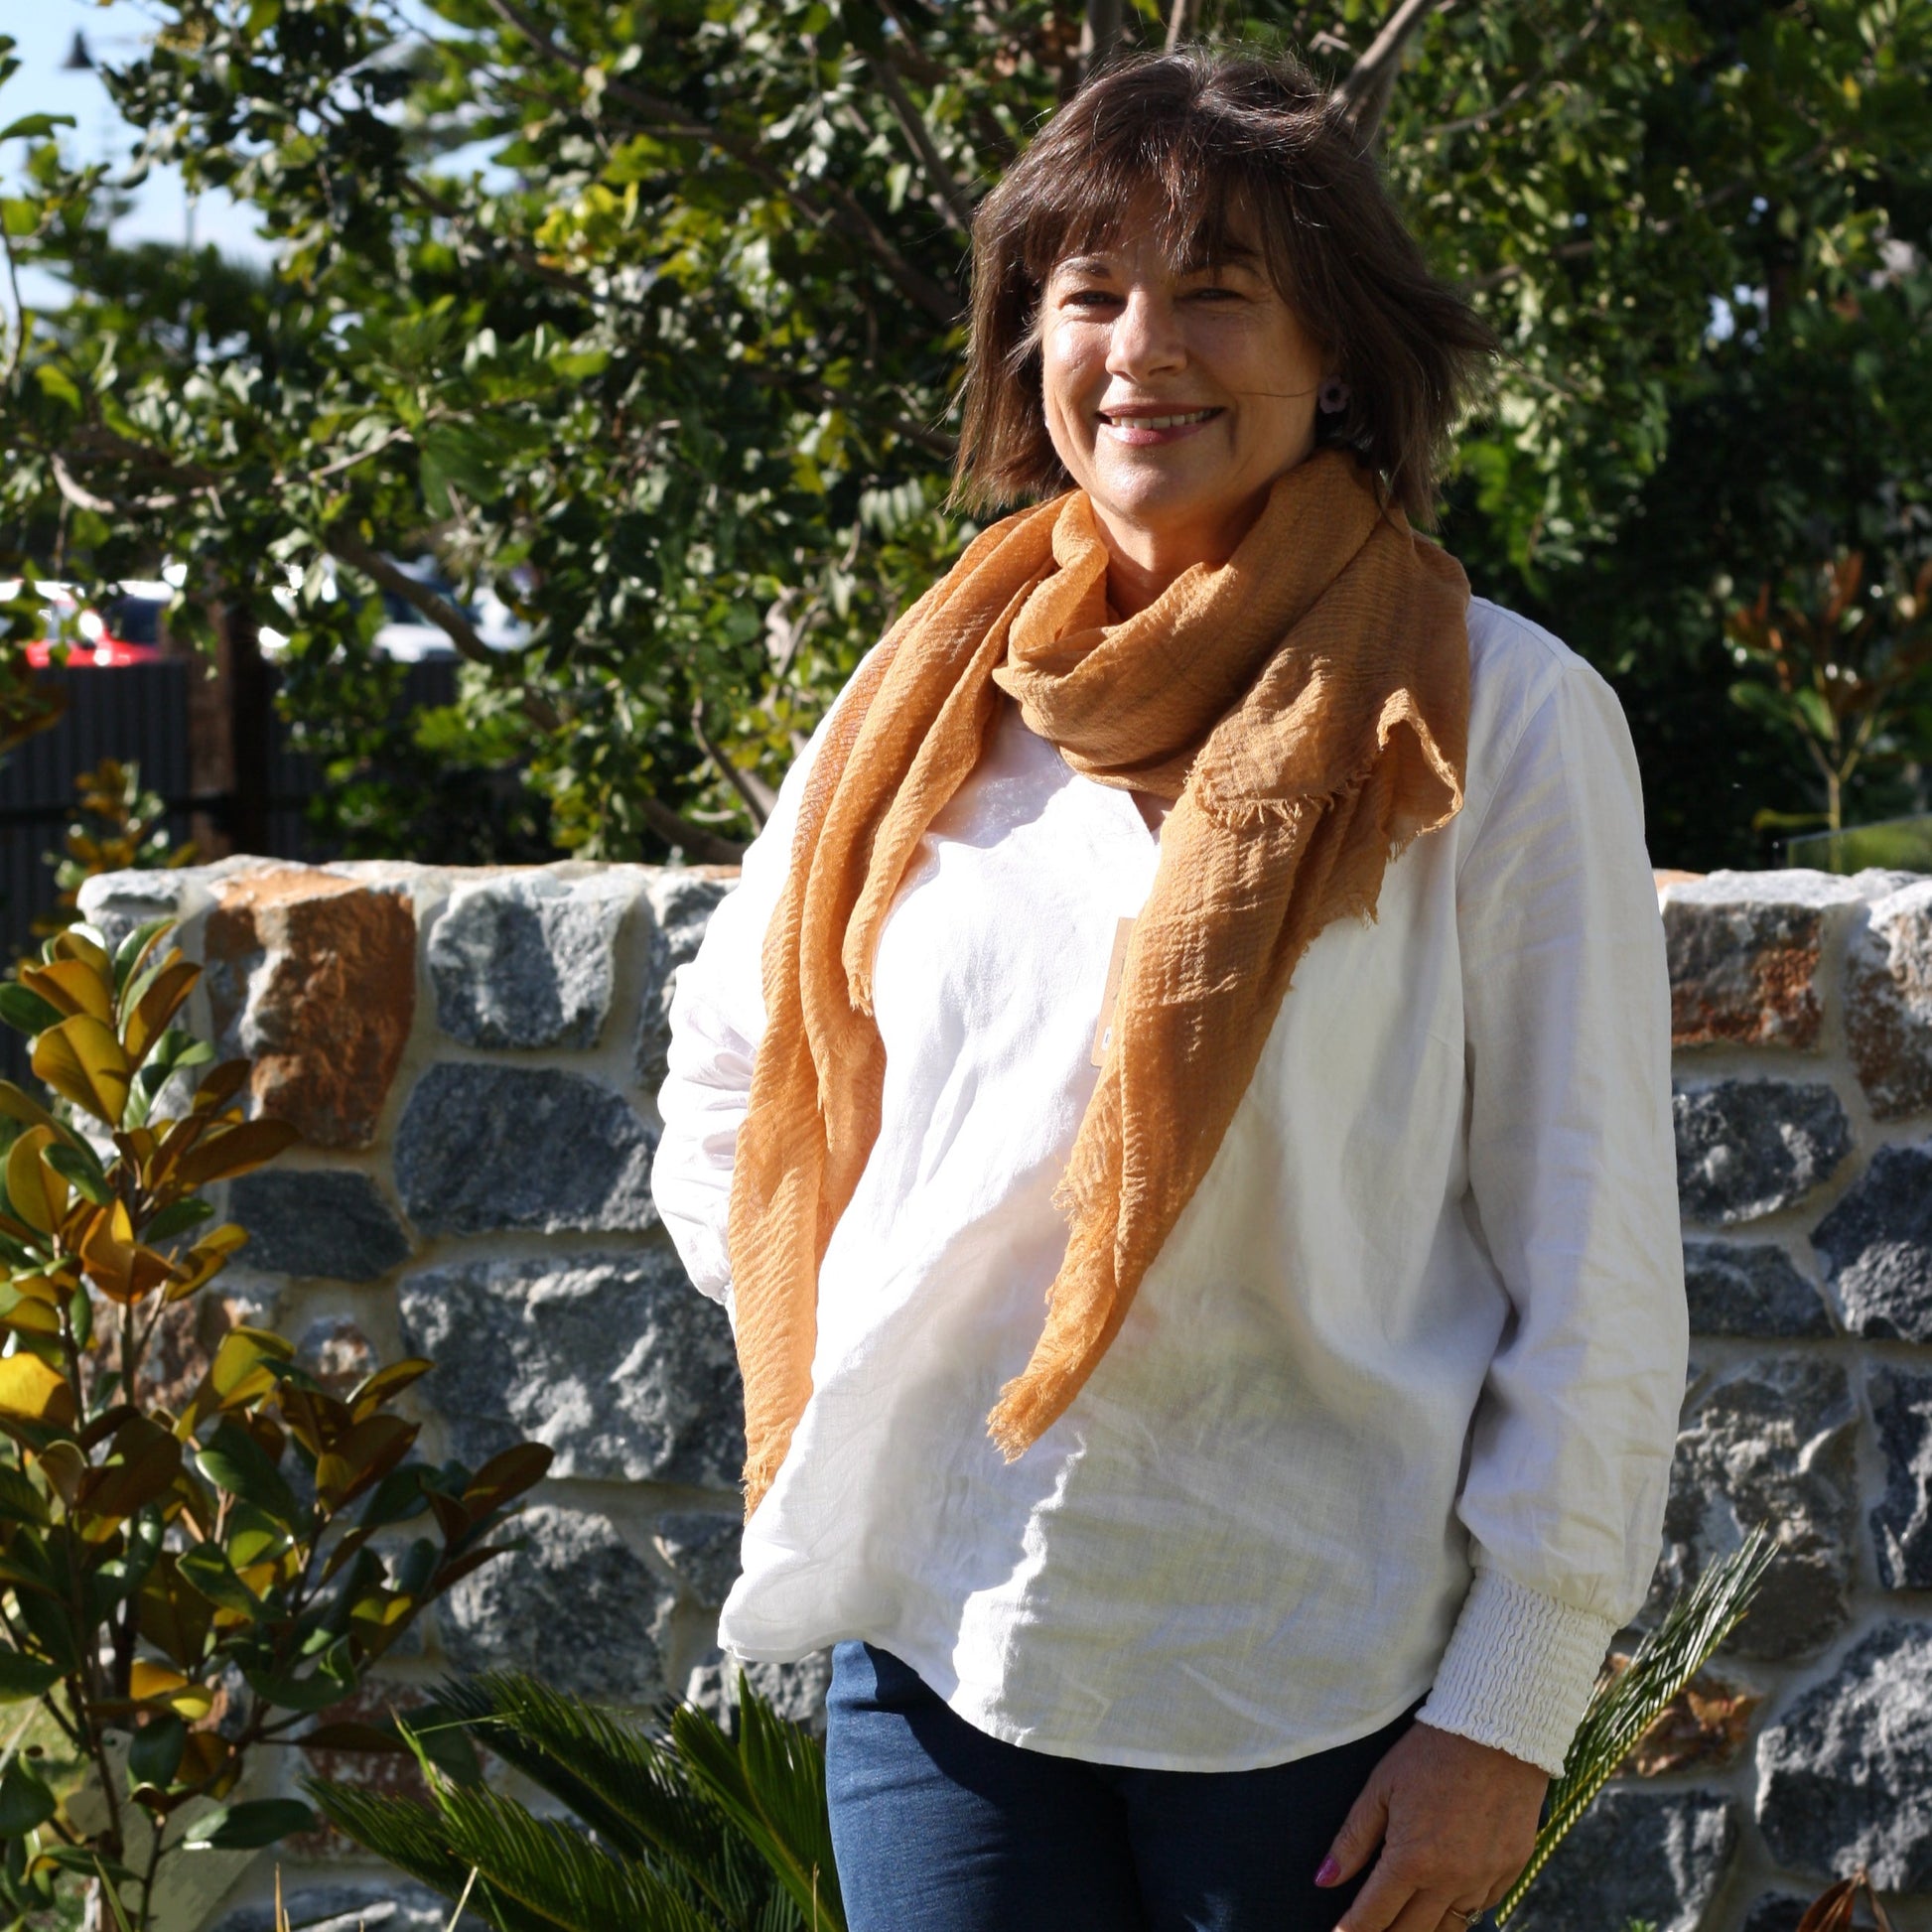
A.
pixel 695 1830
pixel 189 1573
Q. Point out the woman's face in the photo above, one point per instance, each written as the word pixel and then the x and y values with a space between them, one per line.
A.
pixel 1174 393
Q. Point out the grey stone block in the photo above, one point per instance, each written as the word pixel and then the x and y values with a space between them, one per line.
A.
pixel 1901 1524
pixel 1653 1855
pixel 327 1222
pixel 1878 1247
pixel 703 1547
pixel 482 1148
pixel 1844 1776
pixel 528 960
pixel 394 1905
pixel 1747 1147
pixel 1888 1003
pixel 577 1606
pixel 681 905
pixel 797 1691
pixel 1753 1290
pixel 1775 1444
pixel 612 1359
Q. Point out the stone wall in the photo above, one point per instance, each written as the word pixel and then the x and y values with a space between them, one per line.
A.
pixel 473 1059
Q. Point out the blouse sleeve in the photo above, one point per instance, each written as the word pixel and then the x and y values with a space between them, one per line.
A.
pixel 1573 1184
pixel 717 1019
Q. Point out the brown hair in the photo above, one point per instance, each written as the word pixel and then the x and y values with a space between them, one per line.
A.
pixel 1220 143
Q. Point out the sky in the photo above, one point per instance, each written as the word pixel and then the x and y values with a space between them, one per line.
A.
pixel 44 31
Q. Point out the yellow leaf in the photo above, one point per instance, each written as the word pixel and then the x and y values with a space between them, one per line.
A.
pixel 78 942
pixel 34 1392
pixel 27 1317
pixel 37 1193
pixel 159 1005
pixel 147 1680
pixel 71 986
pixel 83 1061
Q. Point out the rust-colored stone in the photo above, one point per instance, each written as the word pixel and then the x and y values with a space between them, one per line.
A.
pixel 1705 1727
pixel 1745 950
pixel 314 977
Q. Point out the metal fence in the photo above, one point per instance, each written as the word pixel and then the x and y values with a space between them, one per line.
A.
pixel 138 714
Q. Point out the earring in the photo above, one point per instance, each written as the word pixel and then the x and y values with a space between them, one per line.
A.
pixel 1332 398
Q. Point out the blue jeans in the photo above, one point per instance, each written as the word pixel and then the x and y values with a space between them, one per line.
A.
pixel 940 1827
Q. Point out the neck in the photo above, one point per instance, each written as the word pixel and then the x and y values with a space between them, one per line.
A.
pixel 1143 558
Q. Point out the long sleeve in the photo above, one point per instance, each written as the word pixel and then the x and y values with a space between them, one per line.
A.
pixel 1572 1188
pixel 717 1021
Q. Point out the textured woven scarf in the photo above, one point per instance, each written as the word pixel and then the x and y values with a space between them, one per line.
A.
pixel 1304 705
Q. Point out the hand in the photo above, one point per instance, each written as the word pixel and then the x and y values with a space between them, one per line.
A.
pixel 1456 1821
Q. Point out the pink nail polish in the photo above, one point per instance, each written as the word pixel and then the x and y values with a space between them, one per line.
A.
pixel 1328 1874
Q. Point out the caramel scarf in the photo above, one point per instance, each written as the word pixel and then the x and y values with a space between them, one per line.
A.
pixel 1305 705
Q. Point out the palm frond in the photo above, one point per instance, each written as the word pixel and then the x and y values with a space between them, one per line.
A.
pixel 1624 1707
pixel 555 1871
pixel 771 1786
pixel 631 1791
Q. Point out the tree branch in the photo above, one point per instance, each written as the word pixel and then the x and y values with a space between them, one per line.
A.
pixel 346 547
pixel 1099 36
pixel 1177 25
pixel 759 799
pixel 707 848
pixel 846 212
pixel 951 196
pixel 1371 82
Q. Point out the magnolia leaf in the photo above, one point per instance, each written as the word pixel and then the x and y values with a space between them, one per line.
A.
pixel 83 1173
pixel 39 1194
pixel 180 1217
pixel 209 1570
pixel 26 1804
pixel 229 1150
pixel 132 950
pixel 234 1460
pixel 508 1474
pixel 158 1005
pixel 173 1615
pixel 71 986
pixel 248 1827
pixel 20 1106
pixel 33 1392
pixel 155 1754
pixel 86 943
pixel 374 1389
pixel 27 1011
pixel 83 1061
pixel 23 1677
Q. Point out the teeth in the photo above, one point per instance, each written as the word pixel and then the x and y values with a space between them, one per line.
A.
pixel 1161 422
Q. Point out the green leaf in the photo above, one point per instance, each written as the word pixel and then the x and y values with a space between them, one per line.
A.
pixel 234 1460
pixel 25 1012
pixel 155 1754
pixel 209 1570
pixel 178 1217
pixel 81 1170
pixel 35 127
pixel 23 1677
pixel 130 952
pixel 26 1803
pixel 21 217
pixel 248 1827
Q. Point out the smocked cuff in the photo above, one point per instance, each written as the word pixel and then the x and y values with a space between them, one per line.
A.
pixel 1518 1671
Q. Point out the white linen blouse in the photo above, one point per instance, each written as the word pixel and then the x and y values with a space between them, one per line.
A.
pixel 1393 1411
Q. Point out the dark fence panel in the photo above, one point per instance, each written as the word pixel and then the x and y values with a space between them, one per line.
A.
pixel 138 714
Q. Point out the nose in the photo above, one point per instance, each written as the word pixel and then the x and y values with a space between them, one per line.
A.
pixel 1146 339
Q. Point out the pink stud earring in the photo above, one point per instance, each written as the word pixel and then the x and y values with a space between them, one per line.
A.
pixel 1332 398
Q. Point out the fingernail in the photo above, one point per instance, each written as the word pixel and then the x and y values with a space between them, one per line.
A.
pixel 1328 1874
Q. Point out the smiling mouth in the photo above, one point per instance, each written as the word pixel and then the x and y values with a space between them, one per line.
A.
pixel 1134 419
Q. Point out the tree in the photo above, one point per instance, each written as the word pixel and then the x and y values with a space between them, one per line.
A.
pixel 674 374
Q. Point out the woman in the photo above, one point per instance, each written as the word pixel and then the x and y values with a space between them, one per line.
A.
pixel 1220 1422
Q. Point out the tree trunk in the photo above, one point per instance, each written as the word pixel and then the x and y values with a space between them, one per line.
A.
pixel 1100 36
pixel 250 723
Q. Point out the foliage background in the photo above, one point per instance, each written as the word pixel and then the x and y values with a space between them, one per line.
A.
pixel 675 377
